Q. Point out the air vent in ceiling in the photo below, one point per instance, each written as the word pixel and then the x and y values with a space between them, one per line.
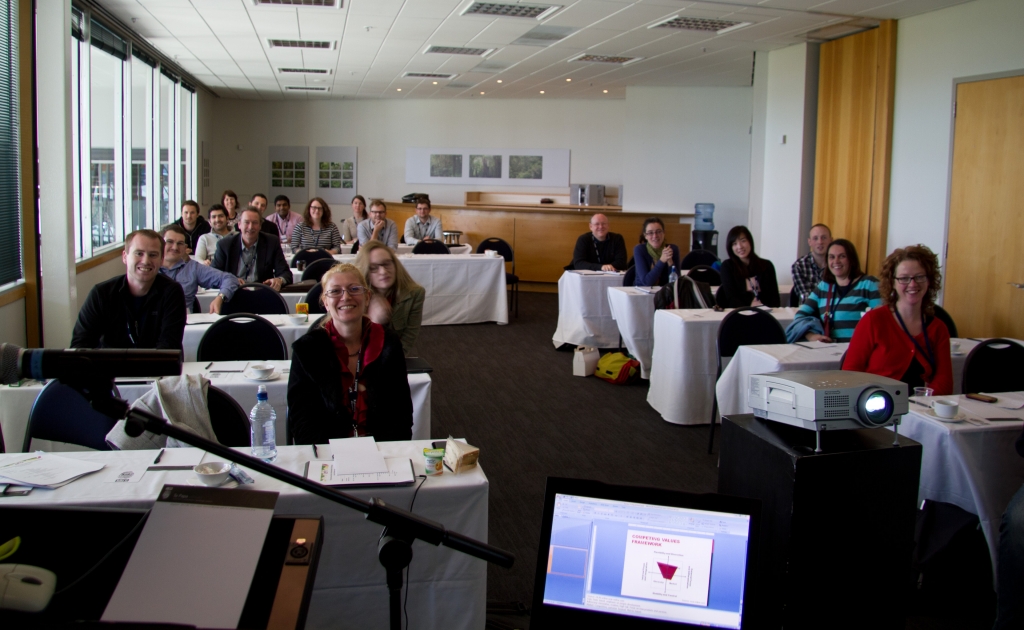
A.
pixel 303 70
pixel 429 75
pixel 306 88
pixel 700 24
pixel 302 43
pixel 500 9
pixel 461 86
pixel 331 4
pixel 605 59
pixel 544 35
pixel 458 50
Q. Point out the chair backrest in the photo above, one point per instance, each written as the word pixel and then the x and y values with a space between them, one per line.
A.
pixel 242 337
pixel 430 247
pixel 706 274
pixel 745 327
pixel 355 247
pixel 229 420
pixel 62 414
pixel 313 299
pixel 270 227
pixel 794 298
pixel 255 298
pixel 943 316
pixel 196 308
pixel 316 269
pixel 308 256
pixel 499 245
pixel 994 365
pixel 698 257
pixel 629 279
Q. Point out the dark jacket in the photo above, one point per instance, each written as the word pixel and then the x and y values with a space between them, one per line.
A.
pixel 650 272
pixel 733 292
pixel 192 238
pixel 612 252
pixel 316 398
pixel 270 260
pixel 106 317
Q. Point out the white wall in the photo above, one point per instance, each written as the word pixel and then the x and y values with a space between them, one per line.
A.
pixel 757 140
pixel 12 323
pixel 981 37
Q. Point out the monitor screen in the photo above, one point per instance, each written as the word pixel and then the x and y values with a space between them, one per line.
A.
pixel 663 556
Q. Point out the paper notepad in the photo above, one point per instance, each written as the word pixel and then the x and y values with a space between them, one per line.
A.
pixel 354 456
pixel 815 345
pixel 43 470
pixel 399 473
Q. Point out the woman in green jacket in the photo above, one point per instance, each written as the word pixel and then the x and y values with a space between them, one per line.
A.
pixel 396 301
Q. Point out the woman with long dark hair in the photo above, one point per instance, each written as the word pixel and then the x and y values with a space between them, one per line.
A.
pixel 316 230
pixel 350 227
pixel 747 279
pixel 653 256
pixel 841 298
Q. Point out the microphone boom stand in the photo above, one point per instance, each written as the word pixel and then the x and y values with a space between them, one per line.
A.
pixel 401 527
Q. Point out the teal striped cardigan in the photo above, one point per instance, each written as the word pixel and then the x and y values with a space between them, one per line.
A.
pixel 845 313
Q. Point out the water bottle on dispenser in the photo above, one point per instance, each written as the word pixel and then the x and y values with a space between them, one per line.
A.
pixel 704 234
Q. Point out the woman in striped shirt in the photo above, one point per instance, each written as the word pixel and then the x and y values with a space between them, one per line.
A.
pixel 842 296
pixel 316 231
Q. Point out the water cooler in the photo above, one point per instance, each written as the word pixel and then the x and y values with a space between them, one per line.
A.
pixel 704 234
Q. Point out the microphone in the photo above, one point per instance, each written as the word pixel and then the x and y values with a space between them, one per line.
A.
pixel 75 364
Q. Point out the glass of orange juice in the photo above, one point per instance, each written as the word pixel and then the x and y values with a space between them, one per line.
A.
pixel 302 308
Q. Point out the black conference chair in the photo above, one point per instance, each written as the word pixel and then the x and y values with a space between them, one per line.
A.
pixel 994 365
pixel 309 257
pixel 794 298
pixel 431 247
pixel 62 414
pixel 629 279
pixel 742 327
pixel 706 274
pixel 255 298
pixel 229 420
pixel 511 279
pixel 355 247
pixel 943 316
pixel 242 337
pixel 268 227
pixel 313 299
pixel 698 257
pixel 317 269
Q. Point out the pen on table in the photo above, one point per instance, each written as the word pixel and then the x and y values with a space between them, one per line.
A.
pixel 158 456
pixel 208 365
pixel 919 403
pixel 315 454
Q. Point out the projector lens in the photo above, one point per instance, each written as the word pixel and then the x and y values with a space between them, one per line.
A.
pixel 875 408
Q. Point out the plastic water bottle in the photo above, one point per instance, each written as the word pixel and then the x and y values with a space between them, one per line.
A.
pixel 672 275
pixel 262 420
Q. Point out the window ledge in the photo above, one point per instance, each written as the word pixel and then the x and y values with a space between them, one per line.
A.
pixel 99 259
pixel 10 293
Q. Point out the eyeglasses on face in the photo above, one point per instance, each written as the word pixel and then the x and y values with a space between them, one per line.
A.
pixel 654 233
pixel 918 279
pixel 355 291
pixel 386 266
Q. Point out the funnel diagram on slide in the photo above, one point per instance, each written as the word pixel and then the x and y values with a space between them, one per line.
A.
pixel 667 567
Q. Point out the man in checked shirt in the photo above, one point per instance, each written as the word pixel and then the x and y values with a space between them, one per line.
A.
pixel 807 269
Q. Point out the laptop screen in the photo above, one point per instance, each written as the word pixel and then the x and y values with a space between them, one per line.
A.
pixel 656 560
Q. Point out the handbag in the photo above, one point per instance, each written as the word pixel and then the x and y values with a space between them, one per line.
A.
pixel 617 368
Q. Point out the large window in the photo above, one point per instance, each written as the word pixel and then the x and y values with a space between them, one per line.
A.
pixel 10 199
pixel 128 123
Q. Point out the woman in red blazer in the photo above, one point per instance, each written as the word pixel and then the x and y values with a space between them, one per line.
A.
pixel 902 339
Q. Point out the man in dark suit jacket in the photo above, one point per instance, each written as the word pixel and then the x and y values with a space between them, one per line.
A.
pixel 251 255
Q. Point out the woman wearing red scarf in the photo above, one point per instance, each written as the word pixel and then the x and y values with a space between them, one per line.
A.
pixel 348 374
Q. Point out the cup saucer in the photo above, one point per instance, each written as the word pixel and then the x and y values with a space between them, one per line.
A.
pixel 959 417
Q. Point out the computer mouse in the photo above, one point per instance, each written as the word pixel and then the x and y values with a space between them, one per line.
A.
pixel 25 587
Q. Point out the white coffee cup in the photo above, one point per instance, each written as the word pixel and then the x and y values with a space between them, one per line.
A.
pixel 945 408
pixel 491 252
pixel 954 347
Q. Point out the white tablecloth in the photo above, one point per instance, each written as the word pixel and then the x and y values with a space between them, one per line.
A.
pixel 198 324
pixel 16 402
pixel 732 385
pixel 447 589
pixel 973 467
pixel 684 362
pixel 633 312
pixel 584 318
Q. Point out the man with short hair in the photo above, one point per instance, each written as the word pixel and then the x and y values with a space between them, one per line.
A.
pixel 141 309
pixel 807 269
pixel 284 218
pixel 192 223
pixel 259 204
pixel 190 274
pixel 251 255
pixel 600 250
pixel 379 227
pixel 220 229
pixel 423 227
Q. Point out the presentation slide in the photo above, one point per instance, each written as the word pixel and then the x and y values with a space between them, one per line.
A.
pixel 667 567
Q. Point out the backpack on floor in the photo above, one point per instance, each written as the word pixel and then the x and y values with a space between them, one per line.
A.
pixel 617 368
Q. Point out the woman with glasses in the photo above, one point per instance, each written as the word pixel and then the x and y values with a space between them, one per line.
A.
pixel 903 339
pixel 348 374
pixel 653 257
pixel 747 279
pixel 396 300
pixel 316 230
pixel 834 307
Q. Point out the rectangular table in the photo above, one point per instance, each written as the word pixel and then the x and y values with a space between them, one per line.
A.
pixel 446 589
pixel 633 312
pixel 16 402
pixel 198 323
pixel 764 359
pixel 584 318
pixel 684 362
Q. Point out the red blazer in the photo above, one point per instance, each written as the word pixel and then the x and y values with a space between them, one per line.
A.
pixel 880 346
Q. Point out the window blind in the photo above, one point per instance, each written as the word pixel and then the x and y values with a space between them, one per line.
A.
pixel 107 41
pixel 10 183
pixel 77 24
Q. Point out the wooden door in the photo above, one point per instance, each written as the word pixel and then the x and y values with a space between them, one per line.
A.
pixel 985 246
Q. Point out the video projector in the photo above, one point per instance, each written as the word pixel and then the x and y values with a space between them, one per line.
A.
pixel 828 400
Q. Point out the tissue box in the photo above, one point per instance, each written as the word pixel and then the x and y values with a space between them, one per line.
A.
pixel 584 361
pixel 459 456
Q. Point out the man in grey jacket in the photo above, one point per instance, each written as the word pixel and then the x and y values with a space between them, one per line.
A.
pixel 190 274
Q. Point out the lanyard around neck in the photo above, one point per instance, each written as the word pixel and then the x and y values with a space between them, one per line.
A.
pixel 929 356
pixel 353 394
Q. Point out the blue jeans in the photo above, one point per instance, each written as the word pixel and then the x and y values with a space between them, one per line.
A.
pixel 1010 611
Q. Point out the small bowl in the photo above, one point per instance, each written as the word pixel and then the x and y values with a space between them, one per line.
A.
pixel 213 473
pixel 491 252
pixel 945 408
pixel 261 370
pixel 296 320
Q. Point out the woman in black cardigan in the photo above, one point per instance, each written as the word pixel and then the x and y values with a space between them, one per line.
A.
pixel 347 352
pixel 747 280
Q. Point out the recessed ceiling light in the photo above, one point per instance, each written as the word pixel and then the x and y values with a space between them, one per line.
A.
pixel 606 91
pixel 481 93
pixel 399 89
pixel 499 80
pixel 542 91
pixel 567 80
pixel 435 82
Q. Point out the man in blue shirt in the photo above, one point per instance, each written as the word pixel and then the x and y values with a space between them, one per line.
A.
pixel 379 227
pixel 423 227
pixel 190 274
